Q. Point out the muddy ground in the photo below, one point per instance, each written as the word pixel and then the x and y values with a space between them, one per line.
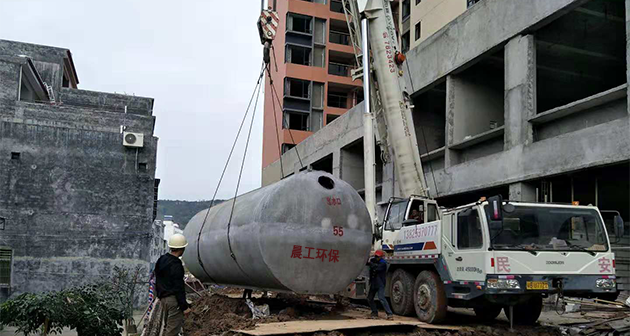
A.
pixel 218 314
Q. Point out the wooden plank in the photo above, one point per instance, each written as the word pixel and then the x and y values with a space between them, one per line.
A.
pixel 300 327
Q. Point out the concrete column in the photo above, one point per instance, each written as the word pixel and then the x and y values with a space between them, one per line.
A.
pixel 520 90
pixel 337 162
pixel 450 156
pixel 522 192
pixel 628 52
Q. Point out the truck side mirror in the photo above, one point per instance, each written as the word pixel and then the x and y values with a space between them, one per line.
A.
pixel 495 207
pixel 619 227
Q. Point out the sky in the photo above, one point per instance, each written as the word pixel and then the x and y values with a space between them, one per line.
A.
pixel 199 60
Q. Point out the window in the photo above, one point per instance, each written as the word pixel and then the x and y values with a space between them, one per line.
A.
pixel 15 155
pixel 296 121
pixel 405 42
pixel 3 222
pixel 472 2
pixel 418 30
pixel 323 2
pixel 406 9
pixel 142 166
pixel 6 263
pixel 396 215
pixel 336 6
pixel 297 88
pixel 339 37
pixel 418 2
pixel 432 214
pixel 337 99
pixel 330 118
pixel 299 23
pixel 339 69
pixel 298 55
pixel 469 230
pixel 286 147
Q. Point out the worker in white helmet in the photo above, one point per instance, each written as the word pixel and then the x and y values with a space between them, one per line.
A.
pixel 169 285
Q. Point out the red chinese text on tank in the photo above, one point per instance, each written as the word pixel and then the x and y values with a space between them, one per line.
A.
pixel 321 254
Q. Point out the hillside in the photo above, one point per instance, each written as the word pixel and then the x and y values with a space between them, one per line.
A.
pixel 182 211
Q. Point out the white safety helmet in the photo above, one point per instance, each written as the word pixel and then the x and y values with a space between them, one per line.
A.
pixel 177 241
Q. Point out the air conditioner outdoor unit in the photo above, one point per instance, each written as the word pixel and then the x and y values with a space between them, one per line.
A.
pixel 133 139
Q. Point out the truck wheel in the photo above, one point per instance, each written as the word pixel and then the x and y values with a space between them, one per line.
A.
pixel 526 313
pixel 487 313
pixel 401 294
pixel 429 298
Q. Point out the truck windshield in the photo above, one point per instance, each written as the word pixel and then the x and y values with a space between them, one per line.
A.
pixel 550 228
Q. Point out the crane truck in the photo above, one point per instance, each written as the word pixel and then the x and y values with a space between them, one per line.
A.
pixel 489 255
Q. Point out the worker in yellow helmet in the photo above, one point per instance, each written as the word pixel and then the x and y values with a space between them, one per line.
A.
pixel 169 285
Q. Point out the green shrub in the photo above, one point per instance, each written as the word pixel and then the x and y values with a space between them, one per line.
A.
pixel 90 310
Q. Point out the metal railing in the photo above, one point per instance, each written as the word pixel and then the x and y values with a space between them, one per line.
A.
pixel 339 69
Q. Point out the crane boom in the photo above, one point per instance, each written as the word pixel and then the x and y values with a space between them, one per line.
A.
pixel 394 99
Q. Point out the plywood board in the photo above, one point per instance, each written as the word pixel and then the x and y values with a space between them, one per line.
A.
pixel 300 327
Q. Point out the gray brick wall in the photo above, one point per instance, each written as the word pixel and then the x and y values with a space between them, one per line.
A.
pixel 76 201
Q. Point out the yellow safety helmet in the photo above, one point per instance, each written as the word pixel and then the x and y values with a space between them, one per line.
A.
pixel 177 241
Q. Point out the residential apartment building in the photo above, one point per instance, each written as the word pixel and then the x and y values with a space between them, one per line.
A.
pixel 419 19
pixel 311 74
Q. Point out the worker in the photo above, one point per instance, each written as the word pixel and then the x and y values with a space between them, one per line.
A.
pixel 378 273
pixel 417 215
pixel 169 285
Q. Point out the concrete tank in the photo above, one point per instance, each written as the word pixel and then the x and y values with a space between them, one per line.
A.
pixel 274 229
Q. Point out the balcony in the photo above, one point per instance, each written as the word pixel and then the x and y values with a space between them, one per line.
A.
pixel 339 69
pixel 340 63
pixel 339 37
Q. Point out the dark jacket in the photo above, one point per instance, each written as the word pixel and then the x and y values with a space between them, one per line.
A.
pixel 378 273
pixel 169 279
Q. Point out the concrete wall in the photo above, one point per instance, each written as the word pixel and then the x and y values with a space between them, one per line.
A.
pixel 433 15
pixel 77 202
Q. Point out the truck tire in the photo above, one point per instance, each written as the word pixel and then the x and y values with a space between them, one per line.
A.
pixel 487 313
pixel 429 298
pixel 526 313
pixel 401 293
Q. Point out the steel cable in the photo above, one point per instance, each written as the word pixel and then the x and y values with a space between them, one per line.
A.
pixel 256 89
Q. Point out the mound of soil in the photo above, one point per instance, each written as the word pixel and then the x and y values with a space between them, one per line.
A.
pixel 214 314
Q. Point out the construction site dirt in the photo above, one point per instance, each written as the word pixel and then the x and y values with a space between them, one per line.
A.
pixel 220 314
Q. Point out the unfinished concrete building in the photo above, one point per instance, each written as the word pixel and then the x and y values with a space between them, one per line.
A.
pixel 77 195
pixel 528 99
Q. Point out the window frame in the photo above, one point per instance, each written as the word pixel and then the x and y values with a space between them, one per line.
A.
pixel 10 265
pixel 457 243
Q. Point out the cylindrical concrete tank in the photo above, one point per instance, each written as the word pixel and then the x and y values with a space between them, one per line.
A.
pixel 309 233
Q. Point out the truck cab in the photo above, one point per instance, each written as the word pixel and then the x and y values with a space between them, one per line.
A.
pixel 493 255
pixel 401 212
